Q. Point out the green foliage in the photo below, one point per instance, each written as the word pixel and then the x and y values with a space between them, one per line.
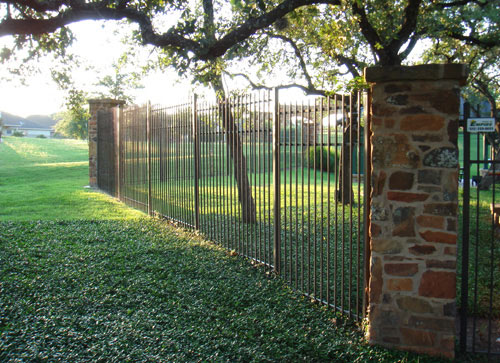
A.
pixel 73 122
pixel 41 136
pixel 118 84
pixel 141 290
pixel 320 158
pixel 18 133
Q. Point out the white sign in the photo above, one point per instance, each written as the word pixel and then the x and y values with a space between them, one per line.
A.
pixel 481 124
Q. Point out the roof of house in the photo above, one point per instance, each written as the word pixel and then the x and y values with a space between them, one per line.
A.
pixel 22 123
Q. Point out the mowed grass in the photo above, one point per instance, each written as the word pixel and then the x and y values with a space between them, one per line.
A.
pixel 45 179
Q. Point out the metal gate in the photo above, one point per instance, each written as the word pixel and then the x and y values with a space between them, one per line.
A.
pixel 479 306
pixel 282 184
pixel 106 152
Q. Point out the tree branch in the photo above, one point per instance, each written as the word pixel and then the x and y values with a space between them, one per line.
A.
pixel 78 10
pixel 308 90
pixel 484 43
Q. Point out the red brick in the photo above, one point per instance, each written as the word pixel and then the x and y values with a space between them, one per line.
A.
pixel 400 284
pixel 401 269
pixel 422 249
pixel 439 237
pixel 431 221
pixel 422 122
pixel 438 284
pixel 417 337
pixel 407 197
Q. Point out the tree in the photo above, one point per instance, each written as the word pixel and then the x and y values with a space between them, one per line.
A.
pixel 118 84
pixel 73 122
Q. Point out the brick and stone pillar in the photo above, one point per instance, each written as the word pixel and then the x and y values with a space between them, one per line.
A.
pixel 95 106
pixel 414 207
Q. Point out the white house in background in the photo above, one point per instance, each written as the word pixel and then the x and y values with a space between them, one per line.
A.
pixel 28 128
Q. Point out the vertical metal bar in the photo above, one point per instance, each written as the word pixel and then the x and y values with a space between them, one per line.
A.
pixel 328 212
pixel 492 253
pixel 296 201
pixel 196 142
pixel 285 169
pixel 351 119
pixel 276 182
pixel 321 163
pixel 465 235
pixel 367 197
pixel 148 143
pixel 290 215
pixel 302 224
pixel 358 248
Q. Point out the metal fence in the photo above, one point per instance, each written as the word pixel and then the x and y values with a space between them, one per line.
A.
pixel 280 183
pixel 479 269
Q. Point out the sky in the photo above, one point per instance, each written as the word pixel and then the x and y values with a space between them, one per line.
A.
pixel 97 46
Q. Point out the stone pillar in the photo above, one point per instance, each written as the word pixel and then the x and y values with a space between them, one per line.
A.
pixel 414 206
pixel 95 106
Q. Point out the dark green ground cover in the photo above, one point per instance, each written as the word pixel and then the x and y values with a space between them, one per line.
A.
pixel 141 290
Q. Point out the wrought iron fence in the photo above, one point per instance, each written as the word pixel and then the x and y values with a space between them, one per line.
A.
pixel 280 183
pixel 479 267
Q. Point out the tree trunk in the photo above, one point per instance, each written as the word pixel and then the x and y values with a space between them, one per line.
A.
pixel 344 193
pixel 235 149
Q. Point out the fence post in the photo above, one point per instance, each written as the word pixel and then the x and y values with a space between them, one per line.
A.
pixel 196 141
pixel 148 136
pixel 465 235
pixel 118 118
pixel 276 181
pixel 367 193
pixel 414 206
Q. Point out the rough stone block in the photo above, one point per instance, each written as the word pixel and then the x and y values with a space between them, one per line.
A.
pixel 399 284
pixel 444 157
pixel 386 246
pixel 414 305
pixel 418 337
pixel 407 197
pixel 431 221
pixel 448 264
pixel 439 237
pixel 438 284
pixel 422 122
pixel 429 176
pixel 429 323
pixel 401 269
pixel 441 209
pixel 419 250
pixel 376 280
pixel 401 180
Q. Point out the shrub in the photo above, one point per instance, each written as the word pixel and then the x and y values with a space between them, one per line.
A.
pixel 321 159
pixel 41 136
pixel 18 134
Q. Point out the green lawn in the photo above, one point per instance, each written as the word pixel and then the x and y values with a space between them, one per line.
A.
pixel 76 287
pixel 45 179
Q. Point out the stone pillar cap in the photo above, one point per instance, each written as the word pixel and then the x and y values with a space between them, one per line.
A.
pixel 424 72
pixel 106 100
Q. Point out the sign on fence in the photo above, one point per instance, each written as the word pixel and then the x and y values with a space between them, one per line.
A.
pixel 481 124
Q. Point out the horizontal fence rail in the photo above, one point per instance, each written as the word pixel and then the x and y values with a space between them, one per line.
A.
pixel 280 183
